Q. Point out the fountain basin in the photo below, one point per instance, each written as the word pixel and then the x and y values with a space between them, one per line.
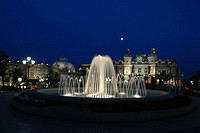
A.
pixel 158 106
pixel 102 97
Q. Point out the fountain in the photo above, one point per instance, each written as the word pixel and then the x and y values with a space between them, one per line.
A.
pixel 102 96
pixel 102 82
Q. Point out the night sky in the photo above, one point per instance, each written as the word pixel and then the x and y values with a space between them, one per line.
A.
pixel 81 29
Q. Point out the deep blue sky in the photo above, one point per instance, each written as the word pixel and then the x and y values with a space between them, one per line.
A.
pixel 80 29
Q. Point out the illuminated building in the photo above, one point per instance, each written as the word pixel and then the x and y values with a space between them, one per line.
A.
pixel 61 67
pixel 146 66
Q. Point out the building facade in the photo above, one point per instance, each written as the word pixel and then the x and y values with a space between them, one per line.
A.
pixel 148 66
pixel 61 67
pixel 142 65
pixel 39 71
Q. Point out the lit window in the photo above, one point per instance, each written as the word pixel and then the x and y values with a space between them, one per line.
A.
pixel 139 61
pixel 139 70
pixel 127 71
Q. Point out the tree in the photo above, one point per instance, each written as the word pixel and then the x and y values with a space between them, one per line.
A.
pixel 153 82
pixel 196 79
pixel 16 73
pixel 3 64
pixel 163 77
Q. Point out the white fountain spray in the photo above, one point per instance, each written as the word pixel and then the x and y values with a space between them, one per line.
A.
pixel 102 82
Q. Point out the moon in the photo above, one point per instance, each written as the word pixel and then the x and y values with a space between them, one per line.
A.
pixel 122 39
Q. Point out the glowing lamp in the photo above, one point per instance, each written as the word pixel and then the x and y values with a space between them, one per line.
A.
pixel 24 61
pixel 32 61
pixel 28 58
pixel 19 79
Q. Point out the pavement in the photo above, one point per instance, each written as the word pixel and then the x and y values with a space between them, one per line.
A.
pixel 12 121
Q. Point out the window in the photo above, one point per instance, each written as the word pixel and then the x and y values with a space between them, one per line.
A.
pixel 127 71
pixel 139 70
pixel 139 61
pixel 145 70
pixel 152 60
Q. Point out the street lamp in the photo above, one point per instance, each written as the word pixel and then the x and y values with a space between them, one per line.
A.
pixel 28 60
pixel 32 61
pixel 19 80
pixel 24 61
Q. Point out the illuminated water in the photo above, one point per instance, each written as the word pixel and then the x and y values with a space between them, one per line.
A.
pixel 102 82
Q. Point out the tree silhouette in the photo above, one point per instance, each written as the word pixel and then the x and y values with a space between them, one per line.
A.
pixel 16 73
pixel 163 77
pixel 3 64
pixel 196 79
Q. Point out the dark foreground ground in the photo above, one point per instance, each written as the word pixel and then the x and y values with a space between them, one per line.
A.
pixel 17 122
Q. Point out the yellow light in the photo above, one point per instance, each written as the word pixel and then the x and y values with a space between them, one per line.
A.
pixel 137 96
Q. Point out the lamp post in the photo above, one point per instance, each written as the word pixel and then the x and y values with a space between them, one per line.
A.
pixel 28 61
pixel 19 80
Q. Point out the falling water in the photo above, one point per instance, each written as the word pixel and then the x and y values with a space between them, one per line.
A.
pixel 102 82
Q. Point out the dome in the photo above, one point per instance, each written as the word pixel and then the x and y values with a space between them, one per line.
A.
pixel 63 66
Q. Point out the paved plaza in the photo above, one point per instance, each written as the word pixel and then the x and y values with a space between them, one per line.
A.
pixel 17 122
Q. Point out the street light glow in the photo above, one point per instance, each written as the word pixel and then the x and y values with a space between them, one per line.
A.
pixel 28 58
pixel 32 61
pixel 19 79
pixel 24 61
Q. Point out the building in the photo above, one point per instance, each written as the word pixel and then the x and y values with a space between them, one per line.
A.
pixel 83 69
pixel 147 66
pixel 61 67
pixel 8 78
pixel 143 65
pixel 39 71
